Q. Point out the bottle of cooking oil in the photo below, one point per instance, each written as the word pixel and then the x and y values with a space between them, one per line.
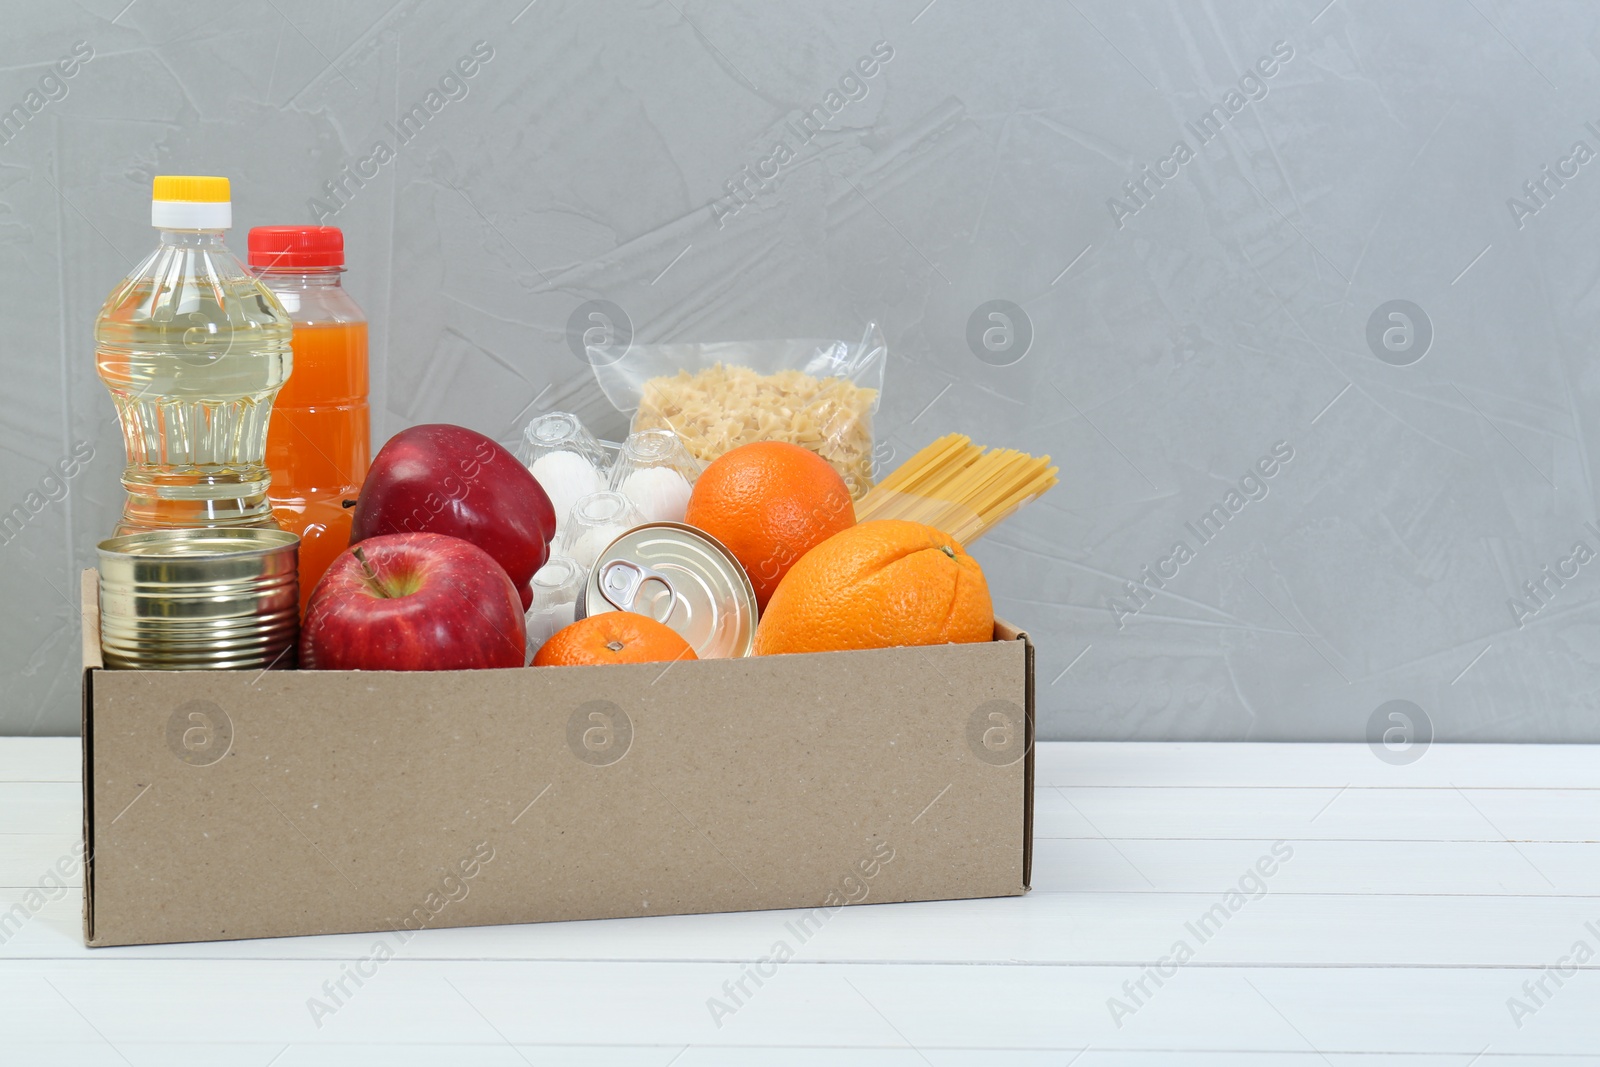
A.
pixel 194 349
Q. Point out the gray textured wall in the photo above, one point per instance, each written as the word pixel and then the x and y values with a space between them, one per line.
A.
pixel 1180 333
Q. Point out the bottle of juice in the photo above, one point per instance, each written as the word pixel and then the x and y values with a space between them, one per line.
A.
pixel 193 349
pixel 318 447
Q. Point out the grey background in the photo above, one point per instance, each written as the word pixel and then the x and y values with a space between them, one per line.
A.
pixel 1227 314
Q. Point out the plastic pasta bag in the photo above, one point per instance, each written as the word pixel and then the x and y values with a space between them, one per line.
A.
pixel 820 395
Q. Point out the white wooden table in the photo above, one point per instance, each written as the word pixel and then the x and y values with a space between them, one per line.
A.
pixel 1408 912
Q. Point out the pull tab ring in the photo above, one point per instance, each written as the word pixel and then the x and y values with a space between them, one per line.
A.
pixel 621 580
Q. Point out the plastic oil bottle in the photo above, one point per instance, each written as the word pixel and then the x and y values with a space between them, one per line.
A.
pixel 193 349
pixel 319 446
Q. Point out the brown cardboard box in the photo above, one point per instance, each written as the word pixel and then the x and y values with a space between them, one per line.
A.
pixel 222 805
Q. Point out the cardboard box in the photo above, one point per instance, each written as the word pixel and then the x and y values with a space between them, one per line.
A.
pixel 221 804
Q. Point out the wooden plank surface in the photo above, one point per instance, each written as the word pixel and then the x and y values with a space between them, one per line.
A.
pixel 1408 912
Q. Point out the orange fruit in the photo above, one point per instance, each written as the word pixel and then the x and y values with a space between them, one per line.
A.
pixel 770 503
pixel 613 637
pixel 879 584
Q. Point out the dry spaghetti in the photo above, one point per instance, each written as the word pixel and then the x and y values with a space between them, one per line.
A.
pixel 959 487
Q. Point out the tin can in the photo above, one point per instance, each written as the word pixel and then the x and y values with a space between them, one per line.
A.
pixel 681 576
pixel 200 599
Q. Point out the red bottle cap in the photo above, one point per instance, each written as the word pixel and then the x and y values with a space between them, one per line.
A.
pixel 296 248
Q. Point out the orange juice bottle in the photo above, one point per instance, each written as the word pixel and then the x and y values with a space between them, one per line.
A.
pixel 318 442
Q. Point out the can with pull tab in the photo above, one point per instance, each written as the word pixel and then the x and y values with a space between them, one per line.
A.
pixel 680 576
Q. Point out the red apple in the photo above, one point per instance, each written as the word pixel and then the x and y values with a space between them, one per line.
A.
pixel 444 479
pixel 413 602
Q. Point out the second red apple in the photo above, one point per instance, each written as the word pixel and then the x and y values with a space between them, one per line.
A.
pixel 438 478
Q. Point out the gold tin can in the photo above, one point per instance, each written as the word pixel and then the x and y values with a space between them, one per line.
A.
pixel 200 599
pixel 681 576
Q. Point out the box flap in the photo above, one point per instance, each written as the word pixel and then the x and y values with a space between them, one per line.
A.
pixel 89 593
pixel 1004 631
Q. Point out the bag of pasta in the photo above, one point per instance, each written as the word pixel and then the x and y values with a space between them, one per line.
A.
pixel 820 395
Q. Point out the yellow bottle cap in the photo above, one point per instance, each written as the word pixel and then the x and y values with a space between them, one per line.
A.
pixel 193 188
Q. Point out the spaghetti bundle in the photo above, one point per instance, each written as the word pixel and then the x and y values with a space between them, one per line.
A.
pixel 958 487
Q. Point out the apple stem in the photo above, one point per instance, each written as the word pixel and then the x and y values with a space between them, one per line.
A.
pixel 367 571
pixel 347 503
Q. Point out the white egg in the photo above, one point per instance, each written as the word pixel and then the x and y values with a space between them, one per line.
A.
pixel 587 546
pixel 565 477
pixel 660 493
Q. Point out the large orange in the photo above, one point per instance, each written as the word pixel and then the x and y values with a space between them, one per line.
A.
pixel 613 637
pixel 770 502
pixel 882 583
